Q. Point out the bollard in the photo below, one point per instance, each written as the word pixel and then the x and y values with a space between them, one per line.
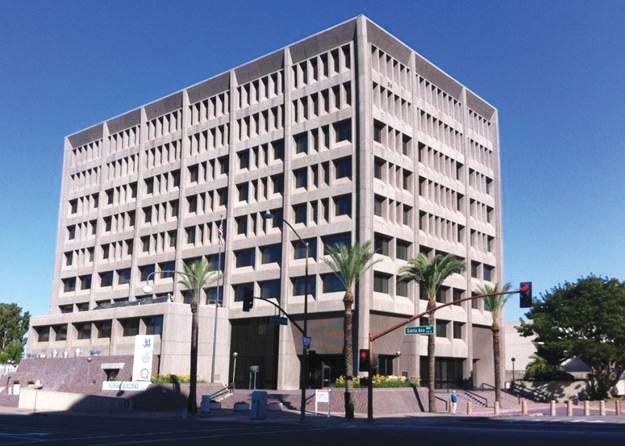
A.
pixel 552 408
pixel 523 407
pixel 602 408
pixel 586 408
pixel 617 407
pixel 569 408
pixel 469 408
pixel 496 407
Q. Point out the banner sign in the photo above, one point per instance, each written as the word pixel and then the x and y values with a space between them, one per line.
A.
pixel 126 386
pixel 142 360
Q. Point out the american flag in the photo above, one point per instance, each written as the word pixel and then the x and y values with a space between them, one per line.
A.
pixel 220 232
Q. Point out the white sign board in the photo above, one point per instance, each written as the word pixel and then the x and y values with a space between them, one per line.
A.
pixel 117 386
pixel 322 396
pixel 142 360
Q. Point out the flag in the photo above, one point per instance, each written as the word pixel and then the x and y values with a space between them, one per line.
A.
pixel 220 232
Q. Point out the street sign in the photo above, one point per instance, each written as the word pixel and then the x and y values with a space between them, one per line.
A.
pixel 307 340
pixel 279 320
pixel 419 330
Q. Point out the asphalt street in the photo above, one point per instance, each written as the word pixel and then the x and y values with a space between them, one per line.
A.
pixel 92 430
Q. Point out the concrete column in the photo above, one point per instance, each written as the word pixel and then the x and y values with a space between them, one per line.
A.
pixel 586 408
pixel 523 407
pixel 364 178
pixel 552 408
pixel 469 408
pixel 115 335
pixel 602 408
pixel 288 362
pixel 497 408
pixel 617 407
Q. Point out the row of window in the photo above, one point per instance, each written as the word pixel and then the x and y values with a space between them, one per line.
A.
pixel 321 66
pixel 81 231
pixel 165 124
pixel 441 195
pixel 210 139
pixel 78 257
pixel 260 89
pixel 480 125
pixel 158 242
pixel 440 130
pixel 392 174
pixel 322 102
pixel 85 178
pixel 480 182
pixel 124 221
pixel 439 99
pixel 482 242
pixel 440 162
pixel 391 138
pixel 86 153
pixel 83 205
pixel 390 67
pixel 121 167
pixel 481 154
pixel 481 211
pixel 124 139
pixel 162 154
pixel 441 228
pixel 162 212
pixel 392 210
pixel 203 234
pixel 210 108
pixel 258 190
pixel 161 183
pixel 150 325
pixel 319 138
pixel 258 156
pixel 388 101
pixel 259 123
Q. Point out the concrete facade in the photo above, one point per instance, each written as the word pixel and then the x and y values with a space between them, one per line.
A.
pixel 352 137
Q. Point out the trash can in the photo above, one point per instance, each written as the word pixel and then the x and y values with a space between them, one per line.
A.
pixel 259 405
pixel 205 407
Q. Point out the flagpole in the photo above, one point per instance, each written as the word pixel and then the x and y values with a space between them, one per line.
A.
pixel 220 234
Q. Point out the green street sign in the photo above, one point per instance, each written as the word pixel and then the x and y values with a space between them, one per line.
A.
pixel 420 330
pixel 279 320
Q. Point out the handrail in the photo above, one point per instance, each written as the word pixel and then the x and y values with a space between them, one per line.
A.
pixel 444 400
pixel 220 392
pixel 477 398
pixel 487 385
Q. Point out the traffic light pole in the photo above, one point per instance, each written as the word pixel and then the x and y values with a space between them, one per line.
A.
pixel 373 338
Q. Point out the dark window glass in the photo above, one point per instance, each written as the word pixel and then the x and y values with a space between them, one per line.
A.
pixel 441 294
pixel 300 213
pixel 475 270
pixel 271 253
pixel 167 269
pixel 43 333
pixel 104 329
pixel 241 224
pixel 66 308
pixel 123 276
pixel 378 205
pixel 73 204
pixel 83 330
pixel 130 327
pixel 343 130
pixel 401 288
pixel 489 272
pixel 83 306
pixel 212 293
pixel 71 232
pixel 380 282
pixel 270 289
pixel 299 286
pixel 343 168
pixel 343 205
pixel 406 212
pixel 244 257
pixel 301 143
pixel 213 262
pixel 145 271
pixel 69 258
pixel 244 159
pixel 457 295
pixel 301 177
pixel 149 185
pixel 60 332
pixel 243 191
pixel 242 289
pixel 106 278
pixel 278 184
pixel 334 240
pixel 192 203
pixel 402 249
pixel 382 244
pixel 441 328
pixel 69 284
pixel 378 127
pixel 278 150
pixel 153 325
pixel 299 249
pixel 458 326
pixel 193 173
pixel 475 303
pixel 378 166
pixel 332 284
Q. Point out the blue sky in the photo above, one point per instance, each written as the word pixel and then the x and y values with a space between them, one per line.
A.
pixel 555 70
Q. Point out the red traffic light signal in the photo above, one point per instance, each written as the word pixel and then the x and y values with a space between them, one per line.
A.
pixel 364 360
pixel 525 294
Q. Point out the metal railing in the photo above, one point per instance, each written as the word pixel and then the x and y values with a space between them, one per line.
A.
pixel 479 399
pixel 221 392
pixel 445 402
pixel 488 387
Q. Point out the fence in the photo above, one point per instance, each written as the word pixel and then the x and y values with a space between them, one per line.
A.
pixel 5 369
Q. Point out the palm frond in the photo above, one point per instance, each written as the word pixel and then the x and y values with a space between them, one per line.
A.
pixel 195 277
pixel 349 262
pixel 430 274
pixel 495 303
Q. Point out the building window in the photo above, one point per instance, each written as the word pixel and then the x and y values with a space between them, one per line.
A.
pixel 332 284
pixel 106 279
pixel 193 173
pixel 73 204
pixel 405 145
pixel 244 159
pixel 69 285
pixel 130 327
pixel 401 249
pixel 343 205
pixel 378 128
pixel 270 289
pixel 241 290
pixel 301 177
pixel 82 306
pixel 243 191
pixel 71 232
pixel 401 287
pixel 300 213
pixel 343 168
pixel 335 240
pixel 66 308
pixel 241 223
pixel 299 286
pixel 343 130
pixel 192 204
pixel 458 326
pixel 489 272
pixel 69 258
pixel 277 182
pixel 378 167
pixel 299 249
pixel 475 270
pixel 104 329
pixel 244 257
pixel 271 254
pixel 475 303
pixel 43 334
pixel 381 244
pixel 60 332
pixel 301 143
pixel 83 330
pixel 380 282
pixel 378 205
pixel 441 294
pixel 153 325
pixel 441 328
pixel 146 272
pixel 123 276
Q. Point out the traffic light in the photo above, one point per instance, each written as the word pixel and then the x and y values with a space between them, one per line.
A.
pixel 525 294
pixel 248 300
pixel 364 360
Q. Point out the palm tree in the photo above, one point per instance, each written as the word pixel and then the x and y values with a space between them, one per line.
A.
pixel 195 277
pixel 348 263
pixel 431 274
pixel 494 302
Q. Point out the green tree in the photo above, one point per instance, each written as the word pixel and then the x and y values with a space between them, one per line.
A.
pixel 584 320
pixel 495 302
pixel 349 263
pixel 195 278
pixel 13 328
pixel 430 274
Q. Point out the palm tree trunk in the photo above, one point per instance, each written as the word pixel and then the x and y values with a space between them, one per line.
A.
pixel 432 358
pixel 348 300
pixel 192 402
pixel 497 359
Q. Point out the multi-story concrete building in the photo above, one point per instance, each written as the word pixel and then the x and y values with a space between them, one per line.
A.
pixel 352 137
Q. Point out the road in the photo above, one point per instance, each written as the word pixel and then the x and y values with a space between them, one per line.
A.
pixel 76 430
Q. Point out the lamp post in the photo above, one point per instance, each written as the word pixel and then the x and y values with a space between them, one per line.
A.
pixel 234 369
pixel 512 359
pixel 304 374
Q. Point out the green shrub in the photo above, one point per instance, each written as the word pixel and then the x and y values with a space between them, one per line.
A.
pixel 173 379
pixel 379 381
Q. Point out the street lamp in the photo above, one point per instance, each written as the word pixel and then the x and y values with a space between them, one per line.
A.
pixel 304 379
pixel 513 359
pixel 219 287
pixel 234 370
